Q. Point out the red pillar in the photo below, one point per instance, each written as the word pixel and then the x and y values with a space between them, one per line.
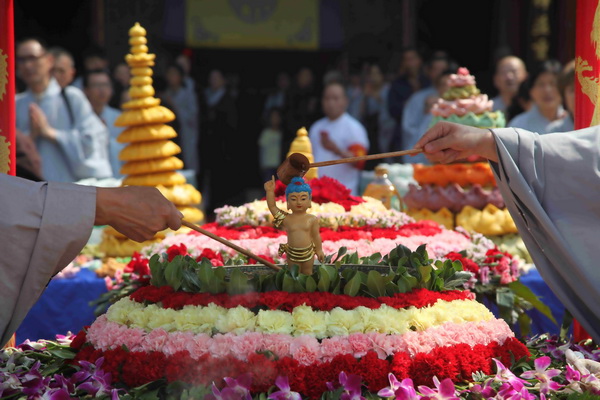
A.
pixel 7 88
pixel 587 88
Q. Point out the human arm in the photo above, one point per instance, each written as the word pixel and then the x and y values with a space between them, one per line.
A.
pixel 354 150
pixel 316 238
pixel 85 142
pixel 447 142
pixel 138 212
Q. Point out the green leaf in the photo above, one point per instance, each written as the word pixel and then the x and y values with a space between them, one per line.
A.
pixel 505 297
pixel 348 273
pixel 324 281
pixel 352 287
pixel 238 282
pixel 157 271
pixel 523 291
pixel 374 259
pixel 403 285
pixel 205 275
pixel 425 273
pixel 332 272
pixel 375 284
pixel 288 284
pixel 63 353
pixel 524 324
pixel 190 281
pixel 173 272
pixel 340 253
pixel 311 284
pixel 391 289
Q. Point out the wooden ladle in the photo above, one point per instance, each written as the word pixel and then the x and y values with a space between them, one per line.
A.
pixel 297 164
pixel 229 244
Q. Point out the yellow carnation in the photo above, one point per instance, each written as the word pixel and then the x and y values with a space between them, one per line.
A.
pixel 309 322
pixel 275 321
pixel 344 322
pixel 237 320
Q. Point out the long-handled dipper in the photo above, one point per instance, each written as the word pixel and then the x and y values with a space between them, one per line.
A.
pixel 229 244
pixel 297 164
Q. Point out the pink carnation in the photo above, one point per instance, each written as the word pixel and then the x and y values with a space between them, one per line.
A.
pixel 337 345
pixel 278 344
pixel 155 340
pixel 305 349
pixel 221 344
pixel 246 344
pixel 360 343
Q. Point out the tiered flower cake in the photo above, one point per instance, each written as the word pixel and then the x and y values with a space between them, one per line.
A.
pixel 198 323
pixel 464 194
pixel 150 154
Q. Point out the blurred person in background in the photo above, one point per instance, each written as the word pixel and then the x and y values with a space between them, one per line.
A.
pixel 184 104
pixel 418 105
pixel 566 84
pixel 64 66
pixel 71 140
pixel 98 88
pixel 217 144
pixel 546 99
pixel 509 73
pixel 411 78
pixel 94 58
pixel 339 135
pixel 120 77
pixel 374 114
pixel 520 102
pixel 269 144
pixel 301 106
pixel 276 98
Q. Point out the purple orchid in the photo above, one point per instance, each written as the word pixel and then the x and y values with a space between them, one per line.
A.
pixel 236 389
pixel 284 393
pixel 352 385
pixel 514 390
pixel 504 374
pixel 404 390
pixel 543 375
pixel 444 390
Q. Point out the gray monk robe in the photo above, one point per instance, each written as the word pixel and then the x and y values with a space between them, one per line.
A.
pixel 551 186
pixel 43 226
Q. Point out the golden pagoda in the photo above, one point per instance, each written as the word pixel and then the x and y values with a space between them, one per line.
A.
pixel 150 155
pixel 301 144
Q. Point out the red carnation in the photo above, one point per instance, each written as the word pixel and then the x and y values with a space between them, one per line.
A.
pixel 142 368
pixel 374 371
pixel 400 365
pixel 467 263
pixel 138 265
pixel 176 250
pixel 79 340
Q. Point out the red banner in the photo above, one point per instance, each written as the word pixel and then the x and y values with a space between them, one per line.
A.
pixel 587 64
pixel 7 88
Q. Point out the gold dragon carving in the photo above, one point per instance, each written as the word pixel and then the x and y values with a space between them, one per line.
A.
pixel 590 84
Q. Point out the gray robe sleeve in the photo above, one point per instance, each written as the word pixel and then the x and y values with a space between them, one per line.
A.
pixel 551 186
pixel 43 226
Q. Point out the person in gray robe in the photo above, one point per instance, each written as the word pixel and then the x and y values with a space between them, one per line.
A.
pixel 44 225
pixel 549 184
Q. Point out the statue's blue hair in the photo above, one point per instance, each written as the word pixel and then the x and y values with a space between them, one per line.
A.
pixel 298 184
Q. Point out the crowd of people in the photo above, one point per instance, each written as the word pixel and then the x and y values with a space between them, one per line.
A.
pixel 66 132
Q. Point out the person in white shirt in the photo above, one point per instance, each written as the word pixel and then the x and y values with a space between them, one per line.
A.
pixel 98 88
pixel 70 138
pixel 339 135
pixel 509 74
pixel 547 100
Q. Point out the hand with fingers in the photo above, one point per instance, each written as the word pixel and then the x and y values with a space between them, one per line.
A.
pixel 447 142
pixel 138 212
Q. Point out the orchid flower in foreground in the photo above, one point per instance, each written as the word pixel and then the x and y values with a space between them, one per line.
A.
pixel 284 393
pixel 543 375
pixel 444 390
pixel 404 390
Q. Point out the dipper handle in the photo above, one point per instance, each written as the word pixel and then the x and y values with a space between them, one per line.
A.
pixel 229 244
pixel 367 157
